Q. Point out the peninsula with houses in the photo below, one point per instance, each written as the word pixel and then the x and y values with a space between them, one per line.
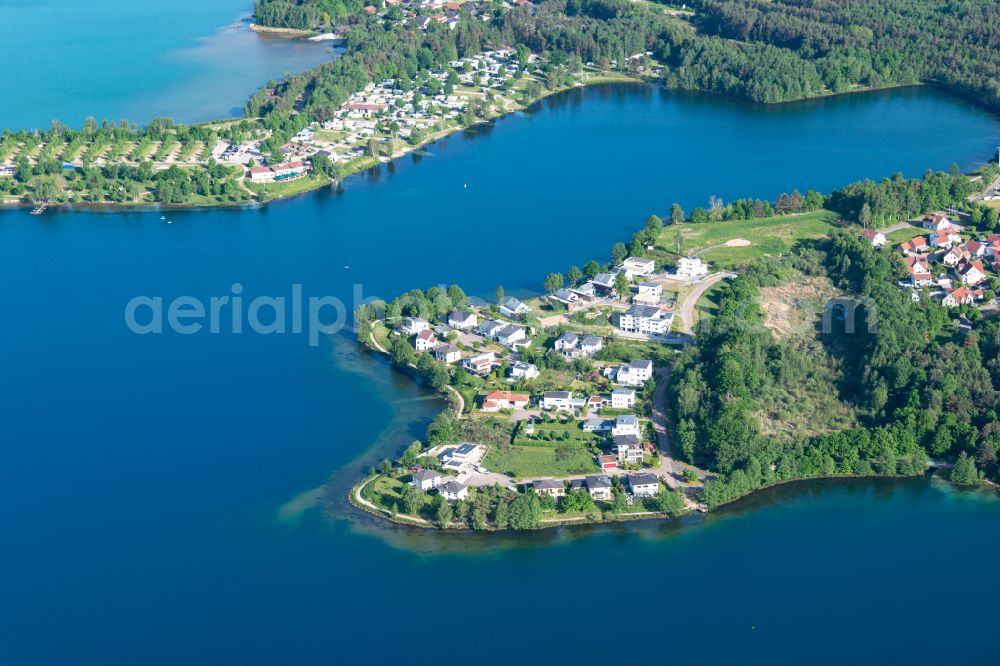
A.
pixel 578 404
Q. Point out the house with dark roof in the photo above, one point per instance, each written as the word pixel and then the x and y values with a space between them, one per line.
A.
pixel 629 449
pixel 599 487
pixel 514 308
pixel 426 479
pixel 453 490
pixel 644 485
pixel 557 400
pixel 461 320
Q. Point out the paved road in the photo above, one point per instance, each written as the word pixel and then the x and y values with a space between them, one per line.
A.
pixel 991 191
pixel 687 308
pixel 894 227
pixel 670 468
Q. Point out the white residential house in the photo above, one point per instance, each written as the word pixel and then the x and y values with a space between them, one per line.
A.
pixel 426 479
pixel 514 308
pixel 599 487
pixel 975 248
pixel 919 271
pixel 496 400
pixel 571 345
pixel 970 272
pixel 512 336
pixel 557 400
pixel 414 325
pixel 461 320
pixel 644 485
pixel 453 490
pixel 590 345
pixel 649 293
pixel 876 238
pixel 622 398
pixel 466 452
pixel 604 282
pixel 490 327
pixel 586 291
pixel 944 238
pixel 447 353
pixel 566 297
pixel 629 449
pixel 636 373
pixel 552 487
pixel 566 342
pixel 953 256
pixel 691 268
pixel 425 341
pixel 935 222
pixel 480 364
pixel 625 424
pixel 597 425
pixel 644 319
pixel 961 296
pixel 523 371
pixel 639 266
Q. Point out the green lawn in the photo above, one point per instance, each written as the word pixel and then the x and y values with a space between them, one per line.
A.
pixel 767 236
pixel 708 304
pixel 290 187
pixel 554 435
pixel 906 234
pixel 532 461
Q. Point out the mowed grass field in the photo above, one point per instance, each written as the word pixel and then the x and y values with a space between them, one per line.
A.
pixel 533 461
pixel 905 234
pixel 767 236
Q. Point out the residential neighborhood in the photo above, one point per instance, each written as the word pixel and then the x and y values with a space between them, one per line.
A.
pixel 949 262
pixel 554 392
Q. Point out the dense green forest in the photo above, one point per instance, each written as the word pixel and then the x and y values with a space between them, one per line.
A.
pixel 303 14
pixel 759 50
pixel 876 43
pixel 915 386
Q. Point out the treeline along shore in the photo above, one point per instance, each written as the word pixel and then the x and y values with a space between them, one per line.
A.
pixel 411 72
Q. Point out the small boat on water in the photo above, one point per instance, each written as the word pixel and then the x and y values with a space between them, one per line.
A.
pixel 38 210
pixel 163 217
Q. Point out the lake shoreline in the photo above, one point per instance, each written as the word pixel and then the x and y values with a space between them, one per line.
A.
pixel 356 499
pixel 359 503
pixel 606 79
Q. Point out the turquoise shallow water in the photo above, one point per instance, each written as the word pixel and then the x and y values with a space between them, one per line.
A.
pixel 145 481
pixel 184 59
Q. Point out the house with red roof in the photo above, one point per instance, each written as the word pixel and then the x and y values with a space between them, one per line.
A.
pixel 944 238
pixel 426 341
pixel 876 238
pixel 919 271
pixel 935 222
pixel 970 272
pixel 961 296
pixel 914 246
pixel 954 256
pixel 497 400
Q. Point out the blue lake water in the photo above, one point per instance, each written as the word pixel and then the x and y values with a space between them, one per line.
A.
pixel 190 60
pixel 152 487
